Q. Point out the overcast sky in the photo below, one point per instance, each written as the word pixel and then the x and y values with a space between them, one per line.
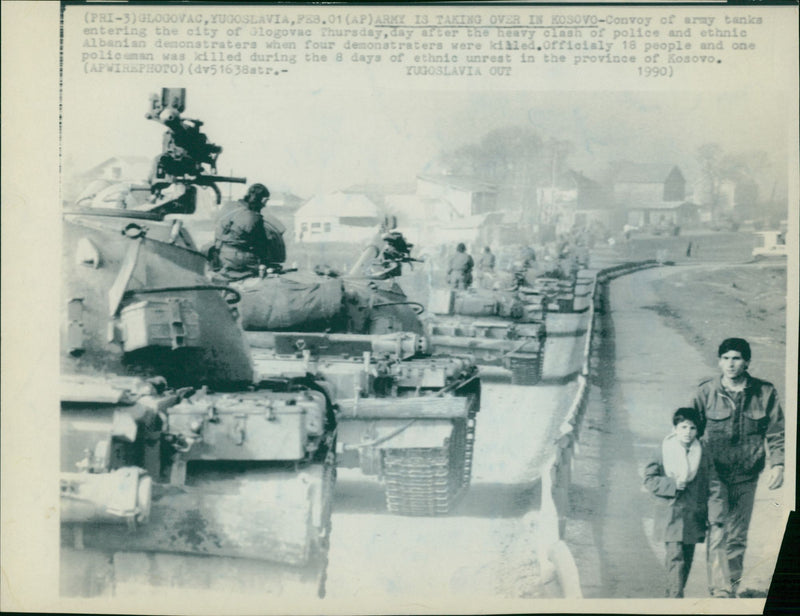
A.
pixel 311 141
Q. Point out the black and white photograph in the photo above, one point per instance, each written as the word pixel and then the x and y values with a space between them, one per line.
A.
pixel 361 309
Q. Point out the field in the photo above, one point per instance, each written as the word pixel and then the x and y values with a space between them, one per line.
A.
pixel 708 304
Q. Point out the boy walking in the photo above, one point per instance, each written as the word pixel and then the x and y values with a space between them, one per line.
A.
pixel 683 479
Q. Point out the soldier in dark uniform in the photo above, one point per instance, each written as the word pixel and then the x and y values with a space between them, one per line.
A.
pixel 744 433
pixel 459 274
pixel 243 240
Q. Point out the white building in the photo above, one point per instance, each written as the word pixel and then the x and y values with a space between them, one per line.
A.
pixel 467 195
pixel 337 217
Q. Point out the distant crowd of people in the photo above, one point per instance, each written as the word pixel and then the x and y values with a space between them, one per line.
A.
pixel 563 259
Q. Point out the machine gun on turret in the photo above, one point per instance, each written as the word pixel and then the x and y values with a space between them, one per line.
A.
pixel 384 257
pixel 188 159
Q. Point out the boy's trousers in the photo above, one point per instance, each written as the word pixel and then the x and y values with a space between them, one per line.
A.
pixel 679 558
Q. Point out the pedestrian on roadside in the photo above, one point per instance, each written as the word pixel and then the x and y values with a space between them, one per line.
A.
pixel 459 274
pixel 683 479
pixel 744 432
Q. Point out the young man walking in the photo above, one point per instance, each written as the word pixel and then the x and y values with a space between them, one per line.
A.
pixel 744 434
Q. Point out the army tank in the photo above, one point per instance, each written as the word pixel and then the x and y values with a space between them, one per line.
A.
pixel 404 414
pixel 170 441
pixel 499 321
pixel 546 290
pixel 564 281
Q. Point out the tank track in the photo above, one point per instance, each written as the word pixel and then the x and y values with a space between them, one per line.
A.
pixel 329 481
pixel 430 481
pixel 526 371
pixel 469 445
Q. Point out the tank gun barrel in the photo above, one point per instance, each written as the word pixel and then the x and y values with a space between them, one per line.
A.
pixel 212 179
pixel 398 346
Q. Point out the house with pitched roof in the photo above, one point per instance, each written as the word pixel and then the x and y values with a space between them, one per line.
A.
pixel 652 194
pixel 337 217
pixel 468 196
pixel 574 200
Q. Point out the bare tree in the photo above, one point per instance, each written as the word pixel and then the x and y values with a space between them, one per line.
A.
pixel 516 159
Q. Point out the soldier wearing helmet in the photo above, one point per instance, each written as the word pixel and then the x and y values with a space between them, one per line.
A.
pixel 459 273
pixel 244 241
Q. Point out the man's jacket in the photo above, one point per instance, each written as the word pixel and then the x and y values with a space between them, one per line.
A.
pixel 247 231
pixel 737 427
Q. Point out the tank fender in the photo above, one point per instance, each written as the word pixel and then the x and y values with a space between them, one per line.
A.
pixel 394 433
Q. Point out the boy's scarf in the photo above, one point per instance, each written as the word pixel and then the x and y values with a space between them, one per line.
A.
pixel 680 463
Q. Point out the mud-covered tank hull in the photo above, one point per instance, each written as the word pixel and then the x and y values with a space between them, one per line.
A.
pixel 424 471
pixel 168 443
pixel 269 513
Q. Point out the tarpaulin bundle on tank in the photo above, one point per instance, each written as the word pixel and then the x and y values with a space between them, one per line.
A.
pixel 287 300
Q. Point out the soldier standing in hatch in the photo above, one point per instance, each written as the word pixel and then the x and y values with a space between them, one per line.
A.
pixel 744 431
pixel 242 240
pixel 459 274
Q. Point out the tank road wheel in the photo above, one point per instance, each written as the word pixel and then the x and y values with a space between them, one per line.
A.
pixel 526 370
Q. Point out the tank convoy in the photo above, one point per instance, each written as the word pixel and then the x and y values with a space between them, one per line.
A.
pixel 555 292
pixel 170 440
pixel 498 321
pixel 497 327
pixel 345 354
pixel 570 284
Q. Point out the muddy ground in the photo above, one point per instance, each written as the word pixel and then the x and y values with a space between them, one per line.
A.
pixel 708 303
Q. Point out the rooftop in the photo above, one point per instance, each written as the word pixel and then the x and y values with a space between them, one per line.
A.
pixel 645 173
pixel 461 182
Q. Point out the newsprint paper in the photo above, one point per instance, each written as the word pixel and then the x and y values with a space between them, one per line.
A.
pixel 596 135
